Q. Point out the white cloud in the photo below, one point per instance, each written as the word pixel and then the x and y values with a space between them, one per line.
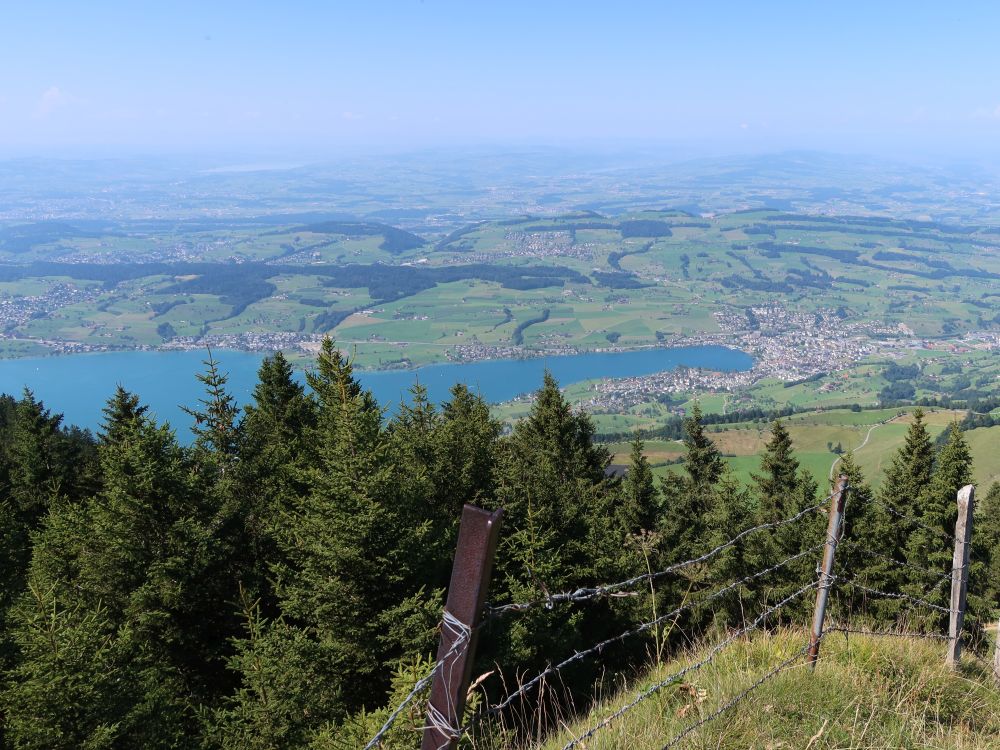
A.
pixel 986 113
pixel 52 98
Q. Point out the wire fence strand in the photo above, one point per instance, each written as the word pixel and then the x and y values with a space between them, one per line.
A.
pixel 644 627
pixel 741 696
pixel 904 597
pixel 915 521
pixel 606 590
pixel 848 630
pixel 926 571
pixel 462 634
pixel 656 687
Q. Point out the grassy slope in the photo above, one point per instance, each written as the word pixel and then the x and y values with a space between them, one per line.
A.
pixel 985 444
pixel 866 693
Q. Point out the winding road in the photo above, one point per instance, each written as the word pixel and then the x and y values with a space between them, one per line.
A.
pixel 865 442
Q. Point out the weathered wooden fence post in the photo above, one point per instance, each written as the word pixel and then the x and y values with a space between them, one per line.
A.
pixel 960 573
pixel 996 656
pixel 470 580
pixel 834 528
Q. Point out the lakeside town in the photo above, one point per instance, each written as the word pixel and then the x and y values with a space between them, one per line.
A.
pixel 786 345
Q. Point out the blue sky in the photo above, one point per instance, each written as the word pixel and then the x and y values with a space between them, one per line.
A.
pixel 335 77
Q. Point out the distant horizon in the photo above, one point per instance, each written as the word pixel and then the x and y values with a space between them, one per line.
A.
pixel 286 159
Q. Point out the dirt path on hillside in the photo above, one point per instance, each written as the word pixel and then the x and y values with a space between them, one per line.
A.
pixel 864 443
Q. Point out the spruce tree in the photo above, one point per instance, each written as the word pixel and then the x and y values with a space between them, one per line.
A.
pixel 986 548
pixel 444 458
pixel 39 465
pixel 868 530
pixel 468 444
pixel 688 498
pixel 909 474
pixel 289 687
pixel 559 529
pixel 215 420
pixel 73 686
pixel 280 414
pixel 702 461
pixel 133 569
pixel 333 382
pixel 121 412
pixel 276 451
pixel 349 582
pixel 640 508
pixel 929 544
pixel 886 531
pixel 782 490
pixel 732 512
pixel 38 468
pixel 778 480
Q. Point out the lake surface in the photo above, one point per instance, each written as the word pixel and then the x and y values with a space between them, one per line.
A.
pixel 79 385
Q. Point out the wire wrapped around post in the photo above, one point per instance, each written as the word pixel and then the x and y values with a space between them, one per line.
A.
pixel 470 581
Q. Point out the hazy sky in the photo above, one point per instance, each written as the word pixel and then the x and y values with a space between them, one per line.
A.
pixel 329 77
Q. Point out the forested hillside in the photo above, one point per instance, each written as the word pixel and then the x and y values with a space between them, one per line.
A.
pixel 279 583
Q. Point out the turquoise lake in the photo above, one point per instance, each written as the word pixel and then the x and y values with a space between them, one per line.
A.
pixel 78 385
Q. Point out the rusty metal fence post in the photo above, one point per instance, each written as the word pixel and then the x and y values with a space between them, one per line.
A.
pixel 834 528
pixel 470 581
pixel 960 573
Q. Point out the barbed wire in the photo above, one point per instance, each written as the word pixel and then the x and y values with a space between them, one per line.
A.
pixel 442 722
pixel 599 592
pixel 656 687
pixel 904 597
pixel 890 633
pixel 936 586
pixel 739 697
pixel 597 648
pixel 894 561
pixel 916 522
pixel 462 633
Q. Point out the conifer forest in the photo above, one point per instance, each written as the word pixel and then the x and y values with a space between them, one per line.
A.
pixel 278 583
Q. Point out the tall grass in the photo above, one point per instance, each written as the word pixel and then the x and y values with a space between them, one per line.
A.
pixel 866 693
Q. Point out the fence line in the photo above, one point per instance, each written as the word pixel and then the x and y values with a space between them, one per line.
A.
pixel 889 633
pixel 905 597
pixel 656 687
pixel 580 655
pixel 894 561
pixel 599 592
pixel 443 719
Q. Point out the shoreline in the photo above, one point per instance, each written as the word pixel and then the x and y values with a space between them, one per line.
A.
pixel 296 353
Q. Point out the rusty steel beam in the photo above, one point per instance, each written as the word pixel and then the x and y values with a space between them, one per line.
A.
pixel 470 581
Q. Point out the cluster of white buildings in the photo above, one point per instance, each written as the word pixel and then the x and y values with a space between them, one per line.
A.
pixel 786 345
pixel 16 310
